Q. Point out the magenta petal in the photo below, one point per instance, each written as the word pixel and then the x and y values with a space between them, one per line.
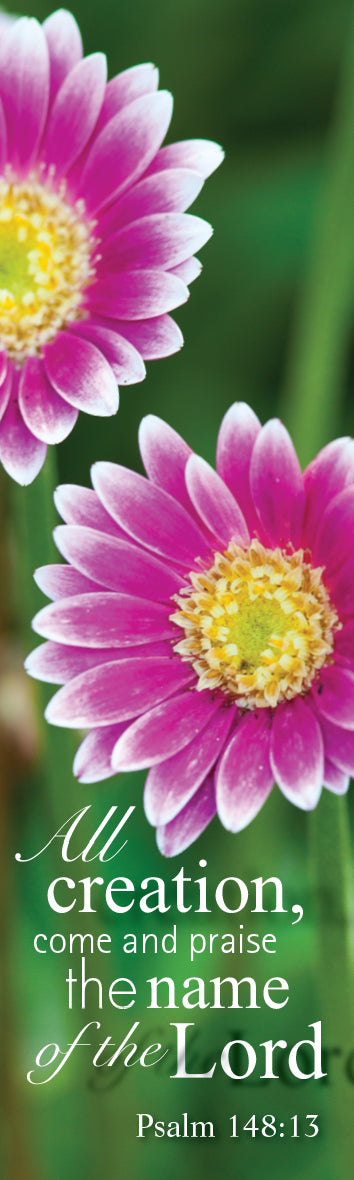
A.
pixel 160 240
pixel 164 730
pixel 137 294
pixel 277 484
pixel 125 361
pixel 103 620
pixel 171 784
pixel 339 746
pixel 188 271
pixel 117 565
pixel 148 513
pixel 24 89
pixel 244 777
pixel 45 413
pixel 75 112
pixel 333 544
pixel 344 641
pixel 340 585
pixel 116 692
pixel 62 581
pixel 124 148
pixel 6 383
pixel 237 435
pixel 93 760
pixel 81 375
pixel 175 837
pixel 334 696
pixel 329 473
pixel 65 46
pixel 21 454
pixel 3 139
pixel 164 454
pixel 82 506
pixel 202 155
pixel 335 780
pixel 296 753
pixel 214 503
pixel 126 87
pixel 56 664
pixel 153 338
pixel 167 192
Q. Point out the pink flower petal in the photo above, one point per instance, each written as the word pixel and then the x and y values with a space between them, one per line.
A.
pixel 47 416
pixel 21 454
pixel 149 514
pixel 24 89
pixel 153 338
pixel 125 88
pixel 93 760
pixel 244 777
pixel 124 148
pixel 329 473
pixel 3 138
pixel 82 506
pixel 175 837
pixel 334 780
pixel 214 503
pixel 124 360
pixel 164 730
pixel 116 692
pixel 81 375
pixel 340 585
pixel 62 581
pixel 117 565
pixel 171 784
pixel 56 664
pixel 339 746
pixel 202 155
pixel 333 543
pixel 277 485
pixel 6 383
pixel 160 240
pixel 344 643
pixel 188 271
pixel 237 435
pixel 167 192
pixel 136 294
pixel 75 112
pixel 103 620
pixel 296 753
pixel 164 454
pixel 63 38
pixel 334 696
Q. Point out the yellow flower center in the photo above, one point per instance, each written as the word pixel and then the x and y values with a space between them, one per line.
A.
pixel 258 624
pixel 45 263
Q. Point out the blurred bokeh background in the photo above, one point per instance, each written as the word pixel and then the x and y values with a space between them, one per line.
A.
pixel 272 82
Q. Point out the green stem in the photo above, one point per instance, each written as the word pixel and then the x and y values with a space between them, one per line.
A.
pixel 33 518
pixel 310 408
pixel 322 333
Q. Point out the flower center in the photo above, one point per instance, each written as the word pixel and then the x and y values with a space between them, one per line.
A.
pixel 45 263
pixel 258 624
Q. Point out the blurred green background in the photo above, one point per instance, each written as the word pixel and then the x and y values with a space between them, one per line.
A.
pixel 272 82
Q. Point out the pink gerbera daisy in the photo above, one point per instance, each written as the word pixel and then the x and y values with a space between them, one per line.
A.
pixel 95 246
pixel 205 624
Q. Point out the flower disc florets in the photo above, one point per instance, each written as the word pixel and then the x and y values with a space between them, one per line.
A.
pixel 258 625
pixel 45 264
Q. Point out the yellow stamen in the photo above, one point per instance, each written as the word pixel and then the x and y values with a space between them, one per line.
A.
pixel 258 624
pixel 46 248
